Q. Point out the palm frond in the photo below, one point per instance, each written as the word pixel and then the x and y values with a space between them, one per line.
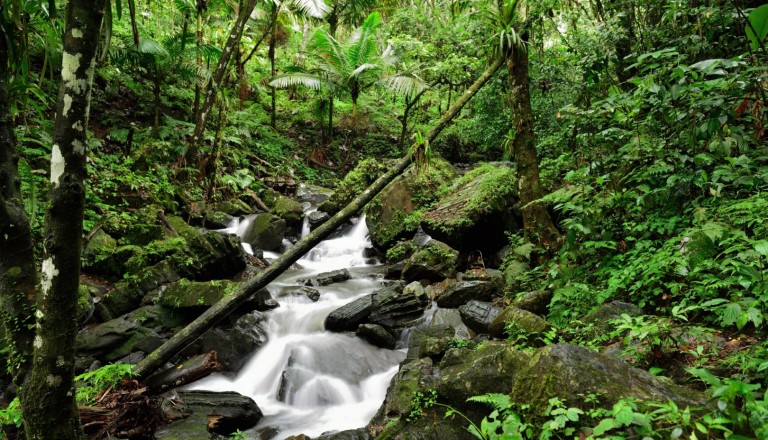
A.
pixel 363 68
pixel 363 45
pixel 151 47
pixel 408 84
pixel 297 79
pixel 186 7
pixel 312 8
pixel 330 50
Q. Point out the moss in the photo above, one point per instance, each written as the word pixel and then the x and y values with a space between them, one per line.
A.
pixel 289 210
pixel 357 180
pixel 401 251
pixel 185 293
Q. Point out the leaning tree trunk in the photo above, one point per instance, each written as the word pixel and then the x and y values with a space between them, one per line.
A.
pixel 17 260
pixel 233 42
pixel 228 304
pixel 536 220
pixel 48 400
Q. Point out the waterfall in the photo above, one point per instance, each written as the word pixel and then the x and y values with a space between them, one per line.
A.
pixel 307 380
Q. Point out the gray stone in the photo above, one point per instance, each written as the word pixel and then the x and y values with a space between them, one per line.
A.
pixel 234 345
pixel 478 315
pixel 349 316
pixel 535 302
pixel 435 262
pixel 377 335
pixel 222 413
pixel 265 232
pixel 522 320
pixel 326 278
pixel 462 292
pixel 452 318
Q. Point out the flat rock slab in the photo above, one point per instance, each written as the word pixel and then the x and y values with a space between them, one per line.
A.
pixel 220 413
pixel 462 292
pixel 349 316
pixel 478 315
pixel 326 278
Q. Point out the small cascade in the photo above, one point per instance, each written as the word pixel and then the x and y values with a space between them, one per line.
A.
pixel 307 380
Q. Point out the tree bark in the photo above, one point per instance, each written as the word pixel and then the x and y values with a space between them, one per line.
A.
pixel 409 104
pixel 48 400
pixel 196 103
pixel 193 369
pixel 17 260
pixel 227 305
pixel 272 44
pixel 537 223
pixel 233 42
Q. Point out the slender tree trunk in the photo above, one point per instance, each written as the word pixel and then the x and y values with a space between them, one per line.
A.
pixel 156 127
pixel 233 42
pixel 272 43
pixel 221 309
pixel 536 220
pixel 196 104
pixel 330 117
pixel 48 400
pixel 409 104
pixel 17 260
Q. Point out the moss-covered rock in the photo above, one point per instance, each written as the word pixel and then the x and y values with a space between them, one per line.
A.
pixel 476 211
pixel 234 207
pixel 289 210
pixel 391 215
pixel 265 232
pixel 521 321
pixel 436 261
pixel 190 294
pixel 99 255
pixel 362 176
pixel 571 372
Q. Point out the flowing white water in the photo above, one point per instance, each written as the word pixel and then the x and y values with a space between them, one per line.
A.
pixel 305 379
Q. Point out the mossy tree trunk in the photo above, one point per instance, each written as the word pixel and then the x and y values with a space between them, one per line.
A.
pixel 228 304
pixel 537 223
pixel 233 43
pixel 17 261
pixel 48 399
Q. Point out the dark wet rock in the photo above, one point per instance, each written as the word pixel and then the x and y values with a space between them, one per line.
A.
pixel 396 307
pixel 260 301
pixel 224 413
pixel 317 218
pixel 452 318
pixel 535 302
pixel 478 315
pixel 612 310
pixel 326 278
pixel 265 232
pixel 127 295
pixel 235 344
pixel 99 255
pixel 377 335
pixel 349 316
pixel 435 262
pixel 522 321
pixel 462 292
pixel 394 271
pixel 477 213
pixel 352 434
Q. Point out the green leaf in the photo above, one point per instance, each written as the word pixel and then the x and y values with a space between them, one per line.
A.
pixel 761 247
pixel 605 425
pixel 731 313
pixel 758 19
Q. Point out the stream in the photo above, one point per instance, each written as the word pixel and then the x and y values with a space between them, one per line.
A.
pixel 305 379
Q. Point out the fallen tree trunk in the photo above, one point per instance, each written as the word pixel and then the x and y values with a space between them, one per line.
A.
pixel 191 370
pixel 229 303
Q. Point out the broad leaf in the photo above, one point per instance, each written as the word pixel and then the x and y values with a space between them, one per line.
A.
pixel 757 29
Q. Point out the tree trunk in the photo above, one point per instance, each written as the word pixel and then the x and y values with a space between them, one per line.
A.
pixel 272 43
pixel 156 126
pixel 536 221
pixel 330 117
pixel 227 305
pixel 196 103
pixel 409 104
pixel 48 400
pixel 17 260
pixel 233 42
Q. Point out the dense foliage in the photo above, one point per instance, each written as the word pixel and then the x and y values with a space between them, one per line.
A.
pixel 650 132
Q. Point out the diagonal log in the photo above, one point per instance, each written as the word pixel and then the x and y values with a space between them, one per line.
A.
pixel 228 304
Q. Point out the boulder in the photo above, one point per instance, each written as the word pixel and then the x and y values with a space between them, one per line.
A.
pixel 352 434
pixel 424 338
pixel 235 344
pixel 317 218
pixel 234 207
pixel 99 255
pixel 221 413
pixel 349 316
pixel 462 292
pixel 377 335
pixel 394 271
pixel 217 220
pixel 128 294
pixel 387 213
pixel 395 307
pixel 435 262
pixel 289 210
pixel 477 213
pixel 535 302
pixel 309 292
pixel 357 180
pixel 452 318
pixel 479 315
pixel 572 372
pixel 600 320
pixel 312 194
pixel 326 278
pixel 522 320
pixel 265 232
pixel 185 294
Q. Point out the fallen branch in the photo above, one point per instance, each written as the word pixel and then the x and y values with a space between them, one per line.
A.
pixel 191 370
